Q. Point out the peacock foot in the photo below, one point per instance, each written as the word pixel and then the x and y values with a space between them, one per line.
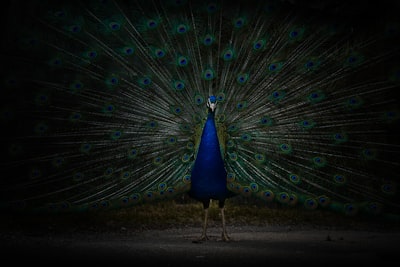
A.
pixel 225 237
pixel 202 238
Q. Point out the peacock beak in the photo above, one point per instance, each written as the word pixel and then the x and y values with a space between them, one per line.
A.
pixel 211 105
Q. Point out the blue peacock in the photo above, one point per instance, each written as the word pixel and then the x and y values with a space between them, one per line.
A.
pixel 109 104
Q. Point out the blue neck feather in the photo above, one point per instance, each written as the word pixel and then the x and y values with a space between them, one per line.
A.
pixel 208 179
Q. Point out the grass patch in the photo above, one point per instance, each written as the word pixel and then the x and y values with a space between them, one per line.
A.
pixel 177 214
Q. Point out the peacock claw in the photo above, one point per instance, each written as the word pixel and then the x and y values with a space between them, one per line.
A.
pixel 202 238
pixel 225 237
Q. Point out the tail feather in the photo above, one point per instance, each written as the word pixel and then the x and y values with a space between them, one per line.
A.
pixel 106 101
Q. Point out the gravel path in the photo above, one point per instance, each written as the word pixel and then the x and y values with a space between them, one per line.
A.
pixel 250 245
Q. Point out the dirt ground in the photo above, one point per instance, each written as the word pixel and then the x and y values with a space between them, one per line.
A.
pixel 250 245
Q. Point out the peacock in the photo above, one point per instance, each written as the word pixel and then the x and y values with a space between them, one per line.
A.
pixel 110 104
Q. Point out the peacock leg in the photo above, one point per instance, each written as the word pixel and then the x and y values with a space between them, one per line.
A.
pixel 206 205
pixel 221 205
pixel 225 236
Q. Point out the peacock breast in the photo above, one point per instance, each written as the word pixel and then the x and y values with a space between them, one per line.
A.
pixel 208 177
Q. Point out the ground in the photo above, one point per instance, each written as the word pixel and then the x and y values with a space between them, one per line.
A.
pixel 256 240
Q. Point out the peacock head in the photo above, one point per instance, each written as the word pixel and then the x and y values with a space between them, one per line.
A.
pixel 212 103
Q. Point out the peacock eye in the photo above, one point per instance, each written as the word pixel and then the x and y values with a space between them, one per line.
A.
pixel 135 197
pixel 208 74
pixel 114 26
pixel 129 51
pixel 239 22
pixel 57 62
pixel 199 100
pixel 211 7
pixel 152 24
pixel 181 28
pixel 75 28
pixel 352 59
pixel 294 34
pixel 228 55
pixel 182 61
pixel 160 53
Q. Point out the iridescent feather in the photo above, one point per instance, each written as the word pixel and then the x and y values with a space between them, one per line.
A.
pixel 105 103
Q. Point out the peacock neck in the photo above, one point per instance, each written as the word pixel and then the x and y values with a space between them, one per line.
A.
pixel 208 173
pixel 209 139
pixel 211 116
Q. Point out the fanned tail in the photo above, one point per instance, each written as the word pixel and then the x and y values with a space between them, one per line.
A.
pixel 105 102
